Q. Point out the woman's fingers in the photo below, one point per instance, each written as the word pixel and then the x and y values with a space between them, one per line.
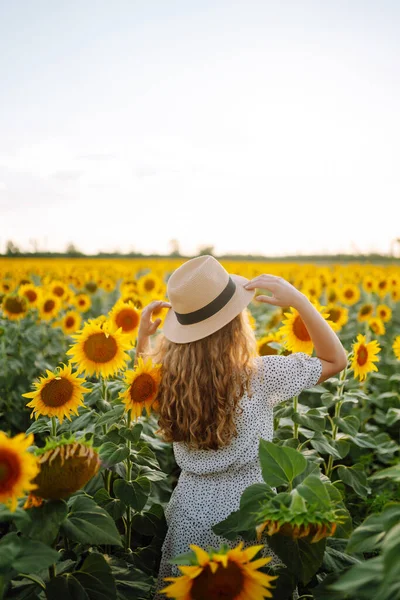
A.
pixel 266 299
pixel 263 281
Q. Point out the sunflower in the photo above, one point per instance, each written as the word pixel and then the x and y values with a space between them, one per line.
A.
pixel 108 284
pixel 365 312
pixel 98 350
pixel 317 530
pixel 275 319
pixel 364 356
pixel 294 332
pixel 30 292
pixel 350 294
pixel 338 315
pixel 58 288
pixel 377 326
pixel 150 284
pixel 229 574
pixel 384 312
pixel 143 383
pixel 57 395
pixel 65 467
pixel 49 306
pixel 15 307
pixel 18 468
pixel 8 285
pixel 395 294
pixel 124 315
pixel 263 345
pixel 82 302
pixel 368 284
pixel 332 295
pixel 396 347
pixel 312 288
pixel 382 287
pixel 70 322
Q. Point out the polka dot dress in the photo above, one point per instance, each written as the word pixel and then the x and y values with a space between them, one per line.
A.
pixel 212 481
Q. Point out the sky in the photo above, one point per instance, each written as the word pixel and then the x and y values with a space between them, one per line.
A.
pixel 253 126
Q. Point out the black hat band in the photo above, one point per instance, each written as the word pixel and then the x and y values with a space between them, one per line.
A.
pixel 210 309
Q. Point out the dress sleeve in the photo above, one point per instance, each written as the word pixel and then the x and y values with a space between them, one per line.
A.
pixel 283 377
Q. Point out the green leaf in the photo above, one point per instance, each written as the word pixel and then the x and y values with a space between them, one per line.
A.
pixel 45 521
pixel 131 582
pixel 391 472
pixel 280 465
pixel 314 491
pixel 391 552
pixel 312 419
pixel 392 416
pixel 93 581
pixel 111 454
pixel 320 443
pixel 335 559
pixel 151 522
pixel 113 506
pixel 363 440
pixel 88 523
pixel 356 478
pixel 111 416
pixel 368 536
pixel 359 576
pixel 131 433
pixel 23 555
pixel 349 424
pixel 133 493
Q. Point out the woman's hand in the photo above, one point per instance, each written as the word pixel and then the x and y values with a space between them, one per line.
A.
pixel 284 293
pixel 147 327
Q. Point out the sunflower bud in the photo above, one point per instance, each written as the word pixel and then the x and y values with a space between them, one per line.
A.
pixel 64 469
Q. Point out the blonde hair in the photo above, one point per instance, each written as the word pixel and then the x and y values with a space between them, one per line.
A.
pixel 202 383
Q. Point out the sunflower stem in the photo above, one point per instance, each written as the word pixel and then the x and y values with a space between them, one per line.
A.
pixel 338 405
pixel 128 478
pixel 295 425
pixel 52 571
pixel 53 427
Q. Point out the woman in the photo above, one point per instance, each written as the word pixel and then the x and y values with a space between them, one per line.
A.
pixel 216 395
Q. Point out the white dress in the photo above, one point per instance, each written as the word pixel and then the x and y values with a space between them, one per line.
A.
pixel 212 481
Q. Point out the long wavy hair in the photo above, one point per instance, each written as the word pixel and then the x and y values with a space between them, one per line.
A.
pixel 202 383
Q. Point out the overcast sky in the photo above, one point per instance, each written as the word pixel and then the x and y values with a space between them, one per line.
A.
pixel 254 126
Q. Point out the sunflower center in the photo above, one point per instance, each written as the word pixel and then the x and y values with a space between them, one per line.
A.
pixel 382 285
pixel 69 322
pixel 81 302
pixel 265 349
pixel 15 305
pixel 365 310
pixel 127 319
pixel 142 388
pixel 225 584
pixel 57 392
pixel 10 470
pixel 99 348
pixel 334 314
pixel 91 286
pixel 300 330
pixel 149 285
pixel 362 355
pixel 49 305
pixel 349 293
pixel 58 290
pixel 31 295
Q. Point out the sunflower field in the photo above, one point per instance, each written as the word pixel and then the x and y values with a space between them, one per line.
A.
pixel 85 476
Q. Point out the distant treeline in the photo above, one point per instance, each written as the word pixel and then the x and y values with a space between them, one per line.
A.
pixel 337 258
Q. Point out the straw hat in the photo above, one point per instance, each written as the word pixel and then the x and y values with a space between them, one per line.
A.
pixel 204 297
